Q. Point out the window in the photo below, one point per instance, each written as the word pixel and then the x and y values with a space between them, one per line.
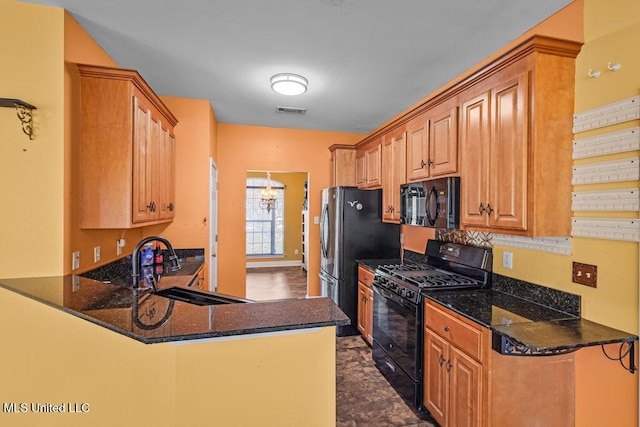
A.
pixel 265 230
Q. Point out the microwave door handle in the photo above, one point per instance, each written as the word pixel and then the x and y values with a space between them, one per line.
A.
pixel 432 193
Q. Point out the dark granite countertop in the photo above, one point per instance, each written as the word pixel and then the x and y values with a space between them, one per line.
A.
pixel 528 319
pixel 150 318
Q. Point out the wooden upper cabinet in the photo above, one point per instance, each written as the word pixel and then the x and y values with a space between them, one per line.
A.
pixel 167 175
pixel 475 148
pixel 343 165
pixel 369 165
pixel 509 154
pixel 127 151
pixel 418 148
pixel 393 173
pixel 443 139
pixel 506 130
pixel 361 169
pixel 432 142
pixel 515 142
pixel 373 160
pixel 494 143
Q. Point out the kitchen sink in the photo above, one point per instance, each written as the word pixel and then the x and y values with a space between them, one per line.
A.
pixel 196 297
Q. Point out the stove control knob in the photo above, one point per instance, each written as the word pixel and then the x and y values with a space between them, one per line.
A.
pixel 402 291
pixel 409 294
pixel 392 285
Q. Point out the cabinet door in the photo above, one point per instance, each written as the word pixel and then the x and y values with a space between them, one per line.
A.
pixel 393 174
pixel 509 145
pixel 142 162
pixel 436 380
pixel 166 175
pixel 387 179
pixel 374 165
pixel 418 149
pixel 369 316
pixel 362 309
pixel 443 141
pixel 474 147
pixel 465 389
pixel 398 172
pixel 361 169
pixel 343 168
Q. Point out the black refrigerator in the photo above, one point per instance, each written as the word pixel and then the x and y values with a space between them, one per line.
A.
pixel 351 228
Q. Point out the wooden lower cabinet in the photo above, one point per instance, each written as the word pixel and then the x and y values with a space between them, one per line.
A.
pixel 466 383
pixel 365 304
pixel 454 386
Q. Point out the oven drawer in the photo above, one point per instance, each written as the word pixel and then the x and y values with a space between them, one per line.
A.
pixel 463 334
pixel 365 276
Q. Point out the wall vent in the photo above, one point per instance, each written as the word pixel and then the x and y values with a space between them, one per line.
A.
pixel 291 110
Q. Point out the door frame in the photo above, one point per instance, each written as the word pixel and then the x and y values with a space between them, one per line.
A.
pixel 213 225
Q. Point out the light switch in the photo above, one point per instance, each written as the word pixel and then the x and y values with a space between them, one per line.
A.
pixel 507 259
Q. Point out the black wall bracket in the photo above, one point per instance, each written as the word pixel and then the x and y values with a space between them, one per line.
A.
pixel 24 112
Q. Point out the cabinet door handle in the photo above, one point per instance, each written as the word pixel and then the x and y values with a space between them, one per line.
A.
pixel 449 365
pixel 446 329
pixel 481 209
pixel 440 360
pixel 430 162
pixel 422 163
pixel 170 207
pixel 489 209
pixel 152 206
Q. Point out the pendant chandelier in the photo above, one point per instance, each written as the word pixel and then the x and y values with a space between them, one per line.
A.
pixel 268 196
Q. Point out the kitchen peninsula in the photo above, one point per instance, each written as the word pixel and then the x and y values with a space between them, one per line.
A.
pixel 80 342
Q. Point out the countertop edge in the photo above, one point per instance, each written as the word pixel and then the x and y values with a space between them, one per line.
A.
pixel 532 349
pixel 185 337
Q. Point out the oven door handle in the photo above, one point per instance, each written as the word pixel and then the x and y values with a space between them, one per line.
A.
pixel 390 295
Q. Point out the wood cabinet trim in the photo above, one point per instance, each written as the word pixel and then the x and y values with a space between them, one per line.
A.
pixel 535 44
pixel 133 77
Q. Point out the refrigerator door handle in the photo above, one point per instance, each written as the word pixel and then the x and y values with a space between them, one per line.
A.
pixel 324 229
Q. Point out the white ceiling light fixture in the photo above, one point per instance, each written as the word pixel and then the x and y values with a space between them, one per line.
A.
pixel 289 84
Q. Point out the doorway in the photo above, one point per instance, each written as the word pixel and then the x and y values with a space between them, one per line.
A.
pixel 276 236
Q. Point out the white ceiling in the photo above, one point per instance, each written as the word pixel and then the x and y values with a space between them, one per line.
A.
pixel 366 60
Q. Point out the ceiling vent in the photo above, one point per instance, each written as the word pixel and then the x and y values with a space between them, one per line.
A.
pixel 291 110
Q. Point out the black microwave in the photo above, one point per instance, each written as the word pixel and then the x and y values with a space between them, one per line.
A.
pixel 431 203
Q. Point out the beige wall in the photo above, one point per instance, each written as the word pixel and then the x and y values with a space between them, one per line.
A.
pixel 242 148
pixel 127 383
pixel 31 171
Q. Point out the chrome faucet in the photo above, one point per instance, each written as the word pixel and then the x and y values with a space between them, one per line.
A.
pixel 135 258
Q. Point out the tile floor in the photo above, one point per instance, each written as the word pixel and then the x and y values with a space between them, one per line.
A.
pixel 363 396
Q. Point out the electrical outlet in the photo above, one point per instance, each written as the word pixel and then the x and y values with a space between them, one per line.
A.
pixel 75 263
pixel 295 252
pixel 507 259
pixel 585 274
pixel 96 254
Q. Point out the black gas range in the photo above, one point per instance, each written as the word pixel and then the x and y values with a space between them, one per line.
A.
pixel 398 309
